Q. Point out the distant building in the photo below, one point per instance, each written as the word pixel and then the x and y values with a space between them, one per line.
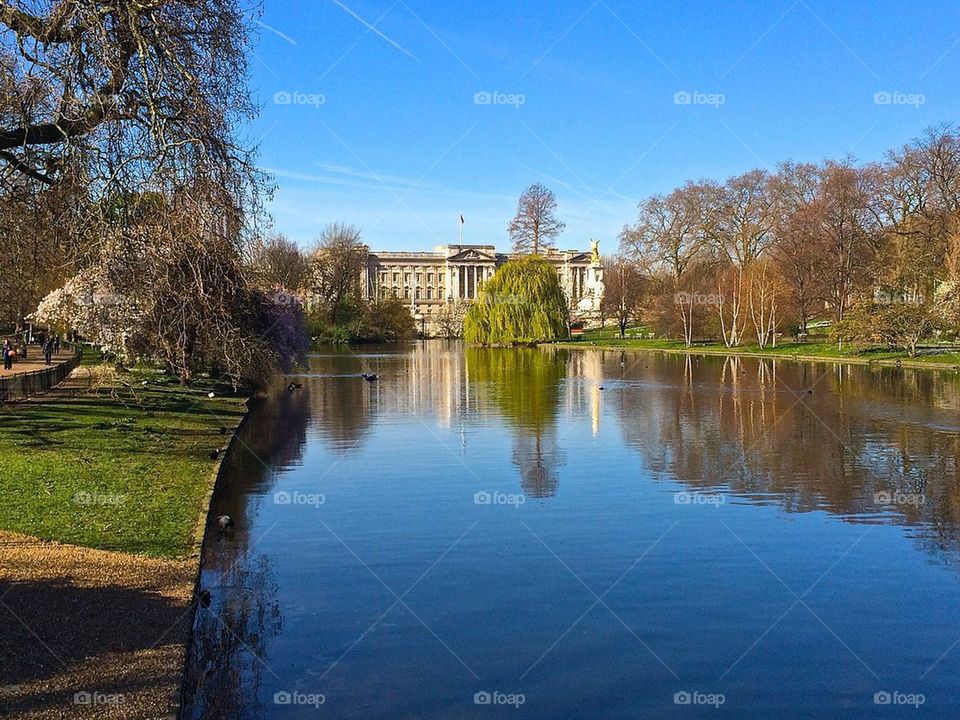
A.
pixel 428 280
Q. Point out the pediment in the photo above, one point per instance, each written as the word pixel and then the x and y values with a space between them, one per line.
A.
pixel 471 256
pixel 581 258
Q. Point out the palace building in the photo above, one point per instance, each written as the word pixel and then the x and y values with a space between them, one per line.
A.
pixel 428 280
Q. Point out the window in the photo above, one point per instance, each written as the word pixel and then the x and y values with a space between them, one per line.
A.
pixel 396 278
pixel 406 293
pixel 429 277
pixel 419 278
pixel 417 293
pixel 406 278
pixel 429 293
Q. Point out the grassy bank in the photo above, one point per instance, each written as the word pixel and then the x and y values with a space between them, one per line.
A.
pixel 118 465
pixel 608 338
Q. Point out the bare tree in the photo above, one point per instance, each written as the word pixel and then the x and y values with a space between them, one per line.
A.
pixel 337 268
pixel 624 287
pixel 795 250
pixel 668 241
pixel 278 262
pixel 848 247
pixel 126 89
pixel 738 218
pixel 535 226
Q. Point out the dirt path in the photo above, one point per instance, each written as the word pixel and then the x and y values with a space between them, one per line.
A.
pixel 89 633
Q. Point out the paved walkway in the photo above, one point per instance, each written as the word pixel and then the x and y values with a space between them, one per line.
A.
pixel 34 361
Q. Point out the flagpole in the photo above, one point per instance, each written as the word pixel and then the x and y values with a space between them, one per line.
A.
pixel 461 228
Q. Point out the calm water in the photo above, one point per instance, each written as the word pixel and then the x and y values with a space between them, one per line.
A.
pixel 492 522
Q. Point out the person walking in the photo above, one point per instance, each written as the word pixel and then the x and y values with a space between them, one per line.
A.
pixel 7 354
pixel 56 345
pixel 48 351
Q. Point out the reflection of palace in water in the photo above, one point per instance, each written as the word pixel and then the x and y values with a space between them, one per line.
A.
pixel 446 380
pixel 528 388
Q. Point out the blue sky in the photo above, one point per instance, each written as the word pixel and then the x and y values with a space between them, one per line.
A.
pixel 371 113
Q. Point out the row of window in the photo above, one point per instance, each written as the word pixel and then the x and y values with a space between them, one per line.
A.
pixel 384 278
pixel 418 293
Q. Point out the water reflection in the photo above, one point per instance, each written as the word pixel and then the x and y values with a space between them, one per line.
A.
pixel 241 609
pixel 804 437
pixel 807 456
pixel 523 385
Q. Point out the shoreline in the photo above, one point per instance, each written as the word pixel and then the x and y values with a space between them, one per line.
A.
pixel 145 640
pixel 773 355
pixel 195 555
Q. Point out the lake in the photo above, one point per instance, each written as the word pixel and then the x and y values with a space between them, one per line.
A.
pixel 541 533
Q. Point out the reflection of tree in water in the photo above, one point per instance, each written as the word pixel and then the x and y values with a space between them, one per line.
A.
pixel 524 385
pixel 224 675
pixel 273 436
pixel 751 425
pixel 342 402
pixel 229 652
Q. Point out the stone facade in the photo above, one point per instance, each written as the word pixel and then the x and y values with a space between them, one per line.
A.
pixel 428 280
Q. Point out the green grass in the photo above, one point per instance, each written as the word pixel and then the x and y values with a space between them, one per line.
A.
pixel 126 469
pixel 821 348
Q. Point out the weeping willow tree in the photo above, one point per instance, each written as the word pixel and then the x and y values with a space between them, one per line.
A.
pixel 522 304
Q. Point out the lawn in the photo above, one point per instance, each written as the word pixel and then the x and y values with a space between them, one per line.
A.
pixel 821 348
pixel 123 468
